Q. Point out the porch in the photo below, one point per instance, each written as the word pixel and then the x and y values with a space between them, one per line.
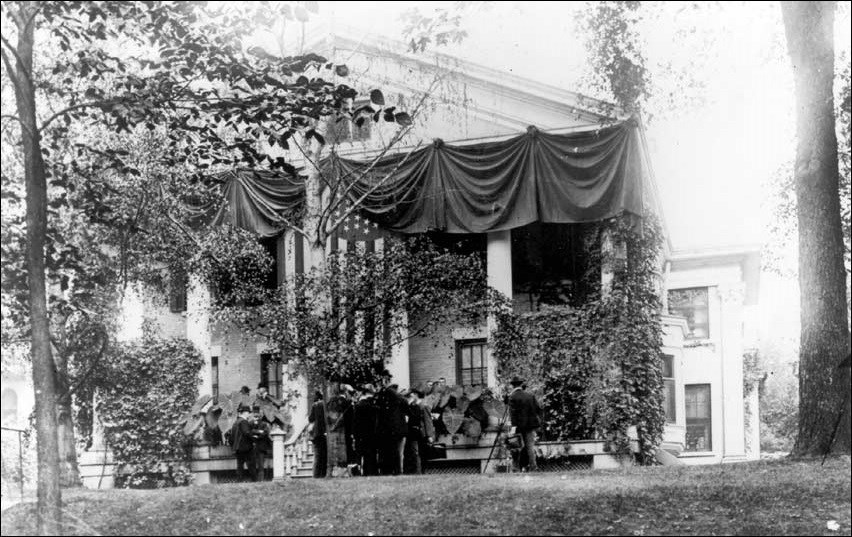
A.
pixel 294 459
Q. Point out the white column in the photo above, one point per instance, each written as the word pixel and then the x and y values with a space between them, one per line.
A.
pixel 97 426
pixel 499 269
pixel 278 470
pixel 296 382
pixel 733 403
pixel 398 364
pixel 198 326
pixel 752 432
pixel 292 380
pixel 607 250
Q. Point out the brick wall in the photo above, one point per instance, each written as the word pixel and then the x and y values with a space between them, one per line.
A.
pixel 239 359
pixel 433 357
pixel 169 324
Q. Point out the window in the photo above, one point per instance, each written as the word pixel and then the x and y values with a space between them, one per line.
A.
pixel 669 401
pixel 270 244
pixel 548 264
pixel 177 291
pixel 346 130
pixel 270 374
pixel 471 365
pixel 693 305
pixel 698 419
pixel 214 376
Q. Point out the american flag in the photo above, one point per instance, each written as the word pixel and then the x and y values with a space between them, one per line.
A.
pixel 357 228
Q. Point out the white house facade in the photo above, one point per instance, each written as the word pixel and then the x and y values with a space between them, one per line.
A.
pixel 708 295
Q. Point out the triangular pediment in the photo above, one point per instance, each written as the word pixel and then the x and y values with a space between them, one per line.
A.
pixel 463 100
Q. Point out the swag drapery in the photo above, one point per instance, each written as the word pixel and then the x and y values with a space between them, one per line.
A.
pixel 492 186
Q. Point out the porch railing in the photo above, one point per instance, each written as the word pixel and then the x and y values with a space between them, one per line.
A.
pixel 296 449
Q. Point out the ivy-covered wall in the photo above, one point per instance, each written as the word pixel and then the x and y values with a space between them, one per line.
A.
pixel 597 366
pixel 150 386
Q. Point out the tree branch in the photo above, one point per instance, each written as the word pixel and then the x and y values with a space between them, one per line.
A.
pixel 20 62
pixel 19 89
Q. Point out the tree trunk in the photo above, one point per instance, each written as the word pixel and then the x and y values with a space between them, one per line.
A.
pixel 69 473
pixel 823 387
pixel 44 374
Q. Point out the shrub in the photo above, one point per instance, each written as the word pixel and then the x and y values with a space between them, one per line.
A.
pixel 151 385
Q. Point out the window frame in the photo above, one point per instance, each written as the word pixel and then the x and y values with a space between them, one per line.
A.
pixel 178 287
pixel 690 323
pixel 275 383
pixel 346 130
pixel 214 377
pixel 462 344
pixel 669 381
pixel 706 422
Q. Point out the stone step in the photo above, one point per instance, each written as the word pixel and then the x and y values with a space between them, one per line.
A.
pixel 302 472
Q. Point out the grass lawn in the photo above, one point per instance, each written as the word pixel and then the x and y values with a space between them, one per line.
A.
pixel 758 498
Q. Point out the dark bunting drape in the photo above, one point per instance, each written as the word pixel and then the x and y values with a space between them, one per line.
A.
pixel 558 178
pixel 254 200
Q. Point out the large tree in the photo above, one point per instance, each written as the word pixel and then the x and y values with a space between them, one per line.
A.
pixel 823 386
pixel 170 66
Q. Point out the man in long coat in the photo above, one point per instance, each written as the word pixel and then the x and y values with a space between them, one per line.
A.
pixel 365 422
pixel 525 413
pixel 393 410
pixel 242 444
pixel 317 420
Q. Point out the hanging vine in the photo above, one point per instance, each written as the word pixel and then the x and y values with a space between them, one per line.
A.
pixel 598 367
pixel 142 419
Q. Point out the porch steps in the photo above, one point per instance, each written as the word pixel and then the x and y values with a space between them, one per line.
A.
pixel 305 467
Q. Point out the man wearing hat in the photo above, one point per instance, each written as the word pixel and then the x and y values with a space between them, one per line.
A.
pixel 261 442
pixel 525 414
pixel 392 428
pixel 365 421
pixel 421 432
pixel 242 444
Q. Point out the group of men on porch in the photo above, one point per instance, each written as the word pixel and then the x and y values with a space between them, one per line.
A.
pixel 370 431
pixel 374 431
pixel 391 432
pixel 249 436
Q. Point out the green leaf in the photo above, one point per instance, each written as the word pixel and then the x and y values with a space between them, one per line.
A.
pixel 403 119
pixel 377 97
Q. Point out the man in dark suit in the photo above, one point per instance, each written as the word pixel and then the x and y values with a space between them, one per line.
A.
pixel 317 420
pixel 365 425
pixel 525 414
pixel 262 443
pixel 392 427
pixel 421 432
pixel 241 443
